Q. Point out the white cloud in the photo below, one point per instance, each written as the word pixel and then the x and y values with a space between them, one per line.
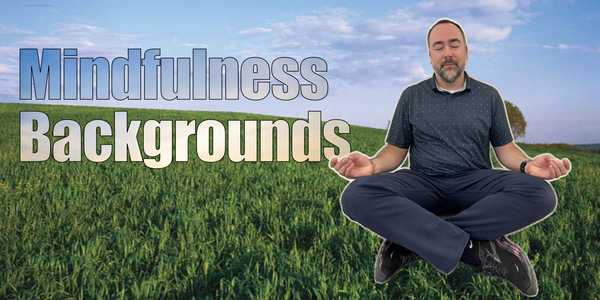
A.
pixel 485 33
pixel 483 21
pixel 471 7
pixel 359 49
pixel 4 29
pixel 399 22
pixel 90 40
pixel 562 46
pixel 6 69
pixel 334 22
pixel 194 45
pixel 255 31
pixel 79 29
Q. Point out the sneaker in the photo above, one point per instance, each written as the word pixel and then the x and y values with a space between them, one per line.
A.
pixel 390 259
pixel 505 259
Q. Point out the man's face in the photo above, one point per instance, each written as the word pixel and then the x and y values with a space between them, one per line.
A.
pixel 447 52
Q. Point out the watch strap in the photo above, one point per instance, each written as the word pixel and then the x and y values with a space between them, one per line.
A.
pixel 523 164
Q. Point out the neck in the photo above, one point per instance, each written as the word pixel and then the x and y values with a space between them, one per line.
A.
pixel 456 85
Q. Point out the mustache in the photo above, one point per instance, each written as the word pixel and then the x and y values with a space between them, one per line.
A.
pixel 449 63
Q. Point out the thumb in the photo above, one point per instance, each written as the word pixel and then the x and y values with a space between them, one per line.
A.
pixel 333 161
pixel 546 159
pixel 355 157
pixel 567 163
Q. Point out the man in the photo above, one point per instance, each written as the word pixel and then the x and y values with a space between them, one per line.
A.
pixel 447 123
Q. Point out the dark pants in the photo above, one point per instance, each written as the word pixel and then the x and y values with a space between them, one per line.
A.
pixel 405 207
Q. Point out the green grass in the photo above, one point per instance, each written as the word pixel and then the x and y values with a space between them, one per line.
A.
pixel 242 230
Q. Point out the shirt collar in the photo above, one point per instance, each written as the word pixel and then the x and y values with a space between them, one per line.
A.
pixel 466 86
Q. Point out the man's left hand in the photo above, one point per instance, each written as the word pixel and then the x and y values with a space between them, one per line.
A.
pixel 548 167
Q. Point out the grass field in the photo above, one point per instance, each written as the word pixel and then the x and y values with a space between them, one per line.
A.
pixel 242 230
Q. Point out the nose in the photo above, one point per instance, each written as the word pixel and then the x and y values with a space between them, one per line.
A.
pixel 447 53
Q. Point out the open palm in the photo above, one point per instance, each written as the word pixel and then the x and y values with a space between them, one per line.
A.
pixel 547 166
pixel 353 165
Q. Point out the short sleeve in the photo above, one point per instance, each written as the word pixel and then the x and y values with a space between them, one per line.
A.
pixel 500 133
pixel 400 131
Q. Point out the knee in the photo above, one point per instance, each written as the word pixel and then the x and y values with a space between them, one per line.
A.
pixel 354 199
pixel 545 198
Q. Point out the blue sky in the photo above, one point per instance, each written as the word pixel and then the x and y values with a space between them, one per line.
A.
pixel 544 56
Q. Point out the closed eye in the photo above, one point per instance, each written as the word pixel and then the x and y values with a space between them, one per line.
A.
pixel 455 43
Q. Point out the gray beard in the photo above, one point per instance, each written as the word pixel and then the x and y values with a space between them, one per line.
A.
pixel 450 79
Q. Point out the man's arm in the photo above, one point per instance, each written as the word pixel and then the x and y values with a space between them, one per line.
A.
pixel 545 166
pixel 511 156
pixel 357 164
pixel 388 158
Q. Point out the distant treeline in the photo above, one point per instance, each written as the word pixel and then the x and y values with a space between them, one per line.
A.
pixel 590 147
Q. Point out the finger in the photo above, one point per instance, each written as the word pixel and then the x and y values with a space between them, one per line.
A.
pixel 540 159
pixel 539 162
pixel 349 170
pixel 567 163
pixel 547 160
pixel 338 161
pixel 561 168
pixel 344 168
pixel 554 168
pixel 548 172
pixel 553 171
pixel 341 163
pixel 333 161
pixel 356 157
pixel 343 171
pixel 347 161
pixel 351 157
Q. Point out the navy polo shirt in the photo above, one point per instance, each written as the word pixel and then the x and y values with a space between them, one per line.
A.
pixel 446 133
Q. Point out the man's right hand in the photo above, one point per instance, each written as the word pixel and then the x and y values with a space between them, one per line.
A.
pixel 353 165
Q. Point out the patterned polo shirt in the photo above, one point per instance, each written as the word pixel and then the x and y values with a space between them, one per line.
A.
pixel 446 133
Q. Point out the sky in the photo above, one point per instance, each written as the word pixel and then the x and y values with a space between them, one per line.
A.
pixel 543 56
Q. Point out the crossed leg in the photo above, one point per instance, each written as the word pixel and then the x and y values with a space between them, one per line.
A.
pixel 494 203
pixel 403 207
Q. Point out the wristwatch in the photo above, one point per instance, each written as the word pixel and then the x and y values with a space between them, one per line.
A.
pixel 523 164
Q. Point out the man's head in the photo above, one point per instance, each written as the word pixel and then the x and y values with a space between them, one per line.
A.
pixel 448 51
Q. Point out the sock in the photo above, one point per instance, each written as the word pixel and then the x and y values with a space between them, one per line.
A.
pixel 471 254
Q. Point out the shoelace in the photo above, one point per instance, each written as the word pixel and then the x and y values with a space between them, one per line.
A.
pixel 491 264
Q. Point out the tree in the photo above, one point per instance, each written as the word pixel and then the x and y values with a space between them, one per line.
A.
pixel 516 119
